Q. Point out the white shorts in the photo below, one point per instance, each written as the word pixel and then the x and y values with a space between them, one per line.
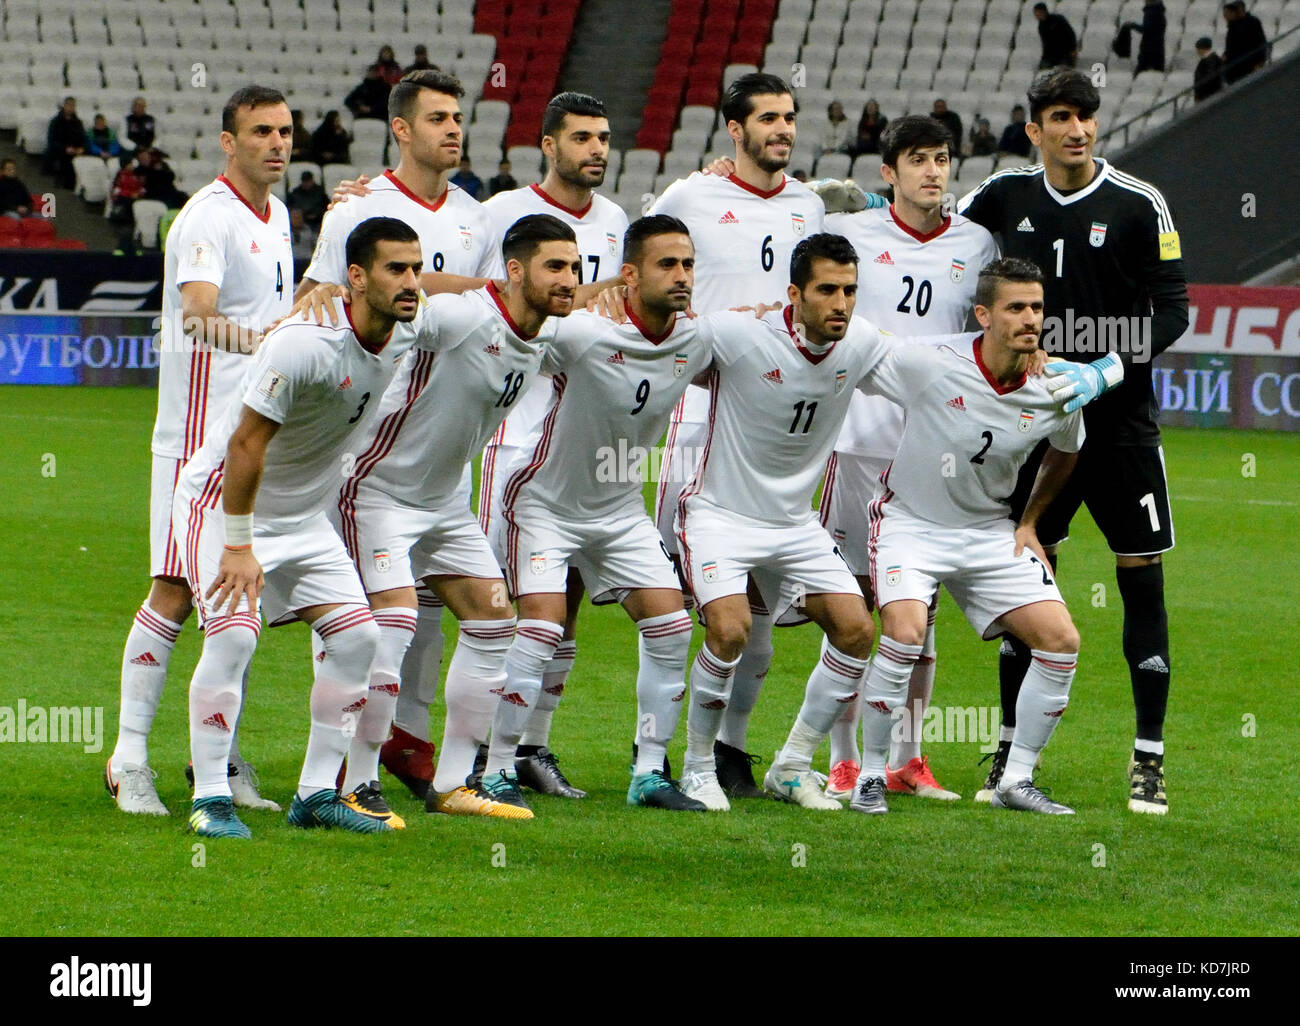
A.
pixel 850 485
pixel 394 546
pixel 910 559
pixel 615 555
pixel 304 562
pixel 498 461
pixel 164 553
pixel 684 444
pixel 720 550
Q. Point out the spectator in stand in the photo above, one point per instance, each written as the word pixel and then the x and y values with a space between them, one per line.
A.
pixel 160 180
pixel 65 139
pixel 422 62
pixel 950 120
pixel 138 128
pixel 870 125
pixel 301 138
pixel 1014 141
pixel 1246 49
pixel 983 143
pixel 1151 51
pixel 304 238
pixel 1207 79
pixel 388 66
pixel 128 186
pixel 467 179
pixel 503 180
pixel 309 197
pixel 1060 44
pixel 15 197
pixel 330 142
pixel 101 141
pixel 835 135
pixel 370 98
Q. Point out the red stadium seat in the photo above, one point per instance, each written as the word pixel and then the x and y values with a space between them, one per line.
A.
pixel 704 92
pixel 11 236
pixel 68 244
pixel 36 231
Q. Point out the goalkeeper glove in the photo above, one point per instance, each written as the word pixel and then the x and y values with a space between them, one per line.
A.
pixel 1081 383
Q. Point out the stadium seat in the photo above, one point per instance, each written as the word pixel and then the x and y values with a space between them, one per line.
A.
pixel 11 236
pixel 148 214
pixel 36 231
pixel 93 178
pixel 332 174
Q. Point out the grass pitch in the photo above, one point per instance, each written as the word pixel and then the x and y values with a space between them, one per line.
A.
pixel 74 558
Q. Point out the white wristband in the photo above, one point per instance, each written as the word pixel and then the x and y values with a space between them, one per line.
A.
pixel 239 530
pixel 1112 370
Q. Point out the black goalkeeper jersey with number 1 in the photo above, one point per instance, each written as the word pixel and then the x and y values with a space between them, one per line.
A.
pixel 1107 251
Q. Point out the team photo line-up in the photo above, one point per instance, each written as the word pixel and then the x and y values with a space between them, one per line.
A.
pixel 312 454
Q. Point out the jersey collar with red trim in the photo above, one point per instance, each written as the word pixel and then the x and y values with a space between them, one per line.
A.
pixel 347 310
pixel 496 298
pixel 808 354
pixel 264 217
pixel 654 340
pixel 435 205
pixel 761 193
pixel 546 197
pixel 997 386
pixel 944 225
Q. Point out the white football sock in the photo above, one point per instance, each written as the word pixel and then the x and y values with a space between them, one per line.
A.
pixel 396 628
pixel 339 694
pixel 1043 698
pixel 537 732
pixel 421 667
pixel 663 644
pixel 478 668
pixel 906 743
pixel 884 690
pixel 751 670
pixel 215 697
pixel 533 647
pixel 711 681
pixel 149 646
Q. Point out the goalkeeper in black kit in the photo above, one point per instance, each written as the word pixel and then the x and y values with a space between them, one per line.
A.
pixel 1115 298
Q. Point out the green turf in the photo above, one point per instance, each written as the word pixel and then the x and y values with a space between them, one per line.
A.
pixel 73 558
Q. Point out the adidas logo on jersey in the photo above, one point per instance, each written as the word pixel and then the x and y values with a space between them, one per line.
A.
pixel 728 218
pixel 252 248
pixel 217 720
pixel 1024 226
pixel 884 258
pixel 347 383
pixel 616 358
pixel 514 698
pixel 774 375
pixel 145 660
pixel 957 404
pixel 492 349
pixel 1155 663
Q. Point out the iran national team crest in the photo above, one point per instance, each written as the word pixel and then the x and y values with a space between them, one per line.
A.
pixel 1098 234
pixel 612 240
pixel 537 561
pixel 893 574
pixel 709 571
pixel 1026 420
pixel 958 270
pixel 466 236
pixel 841 379
pixel 798 224
pixel 382 561
pixel 679 366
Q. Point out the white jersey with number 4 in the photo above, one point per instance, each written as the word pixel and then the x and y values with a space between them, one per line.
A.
pixel 743 238
pixel 599 228
pixel 909 283
pixel 455 231
pixel 248 255
pixel 775 410
pixel 965 436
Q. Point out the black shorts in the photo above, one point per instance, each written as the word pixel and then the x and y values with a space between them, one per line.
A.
pixel 1123 487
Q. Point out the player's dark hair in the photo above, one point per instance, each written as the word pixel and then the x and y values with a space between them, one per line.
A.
pixel 252 96
pixel 823 246
pixel 569 103
pixel 401 101
pixel 525 236
pixel 1012 269
pixel 1062 85
pixel 738 104
pixel 911 132
pixel 364 239
pixel 640 231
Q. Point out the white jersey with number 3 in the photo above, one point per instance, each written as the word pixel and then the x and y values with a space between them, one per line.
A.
pixel 908 284
pixel 248 255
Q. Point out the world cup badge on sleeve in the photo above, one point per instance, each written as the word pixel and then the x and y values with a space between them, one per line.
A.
pixel 958 270
pixel 1026 421
pixel 893 575
pixel 383 563
pixel 537 562
pixel 1097 236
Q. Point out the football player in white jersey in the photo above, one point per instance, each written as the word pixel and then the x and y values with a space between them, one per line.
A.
pixel 917 275
pixel 461 251
pixel 577 502
pixel 779 390
pixel 745 227
pixel 406 518
pixel 972 404
pixel 251 505
pixel 575 142
pixel 227 275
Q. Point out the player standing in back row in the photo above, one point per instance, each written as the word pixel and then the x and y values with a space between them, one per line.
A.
pixel 1108 248
pixel 745 227
pixel 227 275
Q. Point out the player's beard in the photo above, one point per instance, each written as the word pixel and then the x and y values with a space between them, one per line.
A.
pixel 571 173
pixel 539 299
pixel 756 151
